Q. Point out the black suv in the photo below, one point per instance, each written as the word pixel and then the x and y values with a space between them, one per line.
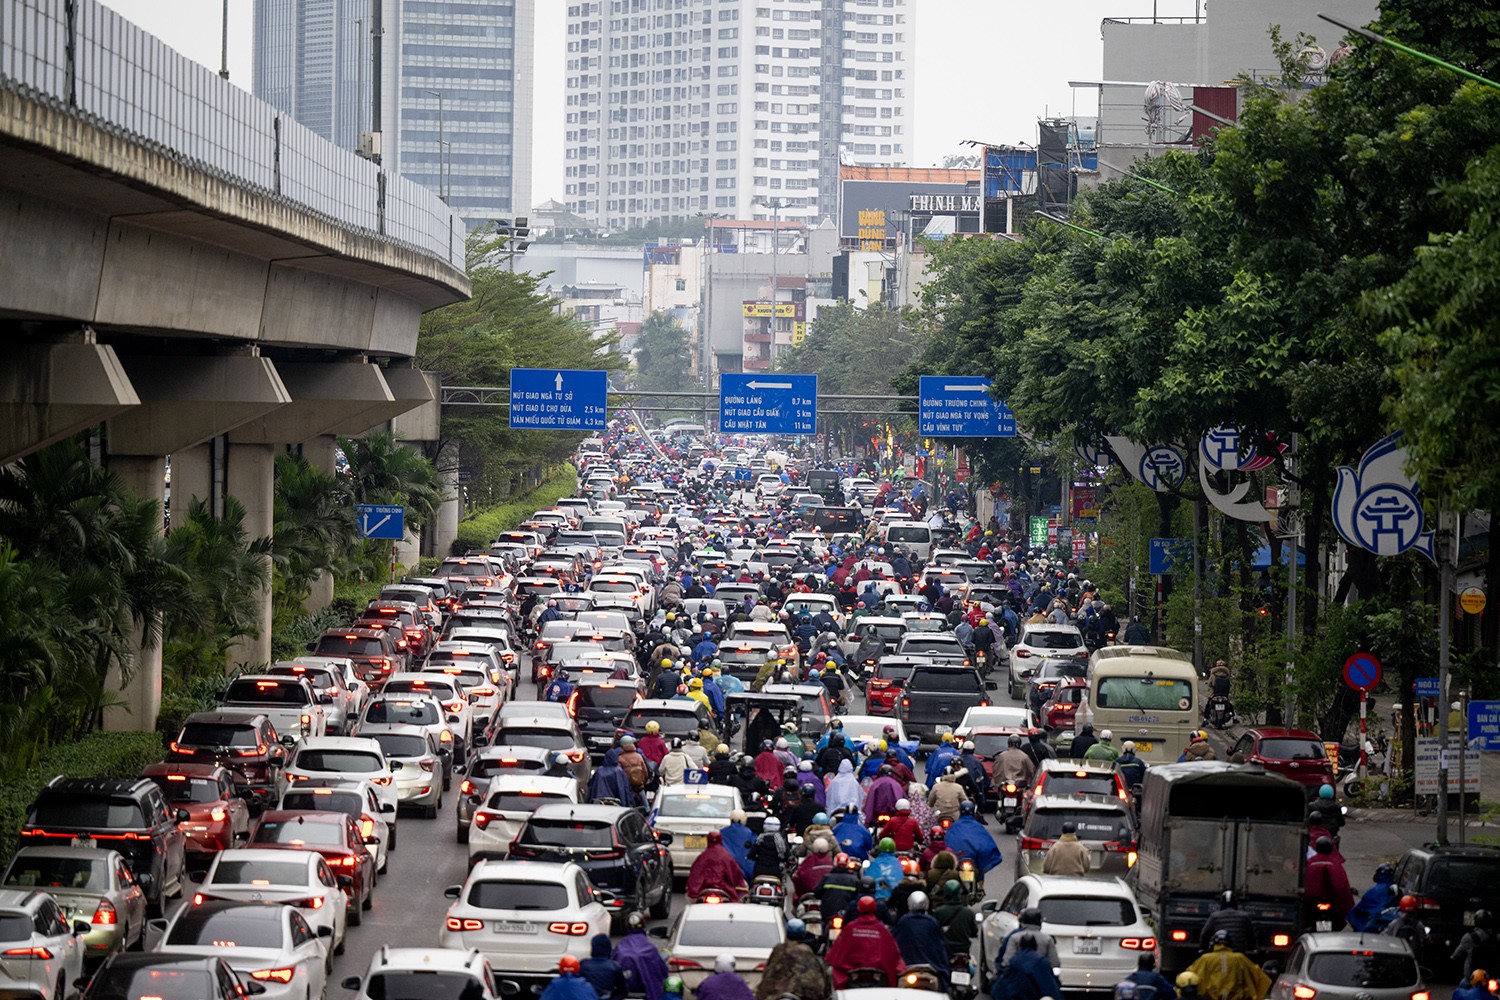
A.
pixel 245 743
pixel 600 708
pixel 612 844
pixel 936 694
pixel 129 815
pixel 1449 884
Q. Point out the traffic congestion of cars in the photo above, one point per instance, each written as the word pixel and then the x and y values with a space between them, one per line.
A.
pixel 724 713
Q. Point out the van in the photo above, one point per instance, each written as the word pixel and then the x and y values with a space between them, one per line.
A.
pixel 914 536
pixel 1149 696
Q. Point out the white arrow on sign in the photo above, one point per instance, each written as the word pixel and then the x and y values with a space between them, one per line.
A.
pixel 559 381
pixel 966 388
pixel 768 385
pixel 371 528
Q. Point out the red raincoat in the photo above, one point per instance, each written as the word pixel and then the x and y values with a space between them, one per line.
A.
pixel 716 868
pixel 865 943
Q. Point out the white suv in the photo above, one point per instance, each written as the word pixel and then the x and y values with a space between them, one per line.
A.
pixel 347 759
pixel 435 973
pixel 41 954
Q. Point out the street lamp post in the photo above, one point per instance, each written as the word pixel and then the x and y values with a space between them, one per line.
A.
pixel 442 148
pixel 224 43
pixel 775 205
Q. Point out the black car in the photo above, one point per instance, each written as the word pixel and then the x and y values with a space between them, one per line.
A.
pixel 613 844
pixel 936 694
pixel 1449 885
pixel 600 706
pixel 129 815
pixel 168 975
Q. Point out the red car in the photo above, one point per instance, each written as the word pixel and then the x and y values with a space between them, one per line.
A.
pixel 883 689
pixel 1058 713
pixel 218 818
pixel 334 835
pixel 1295 753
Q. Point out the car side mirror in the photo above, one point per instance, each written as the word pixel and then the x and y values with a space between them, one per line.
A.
pixel 455 720
pixel 664 837
pixel 81 927
pixel 387 809
pixel 473 698
pixel 198 875
pixel 989 906
pixel 476 800
pixel 453 891
pixel 325 699
pixel 1271 967
pixel 991 686
pixel 480 740
pixel 325 931
pixel 351 983
pixel 346 881
pixel 253 989
pixel 372 841
pixel 289 740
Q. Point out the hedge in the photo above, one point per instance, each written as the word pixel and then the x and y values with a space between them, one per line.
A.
pixel 477 531
pixel 97 755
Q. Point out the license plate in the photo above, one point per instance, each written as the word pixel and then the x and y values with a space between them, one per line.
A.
pixel 695 842
pixel 83 841
pixel 960 978
pixel 1010 801
pixel 1085 946
pixel 515 927
pixel 1468 918
pixel 1144 746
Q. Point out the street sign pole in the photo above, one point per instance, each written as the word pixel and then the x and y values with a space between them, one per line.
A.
pixel 1447 546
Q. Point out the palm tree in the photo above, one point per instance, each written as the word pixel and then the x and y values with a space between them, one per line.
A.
pixel 313 514
pixel 381 471
pixel 227 569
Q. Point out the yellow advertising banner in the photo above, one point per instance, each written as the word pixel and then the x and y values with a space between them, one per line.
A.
pixel 784 310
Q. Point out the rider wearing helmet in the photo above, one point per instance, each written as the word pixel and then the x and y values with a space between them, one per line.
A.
pixel 967 838
pixel 771 853
pixel 569 985
pixel 885 868
pixel 738 839
pixel 865 943
pixel 725 983
pixel 960 925
pixel 640 959
pixel 920 937
pixel 1229 917
pixel 1375 899
pixel 1014 764
pixel 838 889
pixel 1149 983
pixel 1228 975
pixel 716 869
pixel 1029 921
pixel 1198 748
pixel 794 969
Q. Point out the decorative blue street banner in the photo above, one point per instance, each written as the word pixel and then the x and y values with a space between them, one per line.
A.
pixel 961 406
pixel 1168 553
pixel 1428 687
pixel 557 399
pixel 1484 725
pixel 761 403
pixel 381 521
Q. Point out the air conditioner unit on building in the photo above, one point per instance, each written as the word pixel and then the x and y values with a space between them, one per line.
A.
pixel 369 145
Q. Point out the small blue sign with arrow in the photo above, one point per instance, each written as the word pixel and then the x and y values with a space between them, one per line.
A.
pixel 381 521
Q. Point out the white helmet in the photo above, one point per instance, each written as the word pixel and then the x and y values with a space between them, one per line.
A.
pixel 771 825
pixel 781 743
pixel 1106 735
pixel 903 804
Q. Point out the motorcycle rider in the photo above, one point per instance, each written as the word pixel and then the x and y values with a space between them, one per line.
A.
pixel 853 837
pixel 885 868
pixel 1150 984
pixel 1028 975
pixel 920 938
pixel 838 889
pixel 967 838
pixel 1132 769
pixel 865 943
pixel 725 983
pixel 1328 894
pixel 1198 748
pixel 560 689
pixel 901 828
pixel 568 984
pixel 794 969
pixel 1478 948
pixel 1013 764
pixel 1029 921
pixel 1233 921
pixel 813 868
pixel 640 958
pixel 738 839
pixel 716 869
pixel 1225 974
pixel 771 853
pixel 948 796
pixel 960 925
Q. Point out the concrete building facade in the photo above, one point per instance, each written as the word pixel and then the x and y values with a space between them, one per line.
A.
pixel 455 88
pixel 677 108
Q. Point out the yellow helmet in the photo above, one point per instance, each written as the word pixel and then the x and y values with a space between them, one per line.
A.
pixel 947 737
pixel 697 684
pixel 653 727
pixel 881 745
pixel 666 664
pixel 1186 978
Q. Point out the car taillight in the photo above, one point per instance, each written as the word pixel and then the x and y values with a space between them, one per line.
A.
pixel 347 861
pixel 427 763
pixel 366 826
pixel 454 706
pixel 104 913
pixel 573 704
pixel 1428 903
pixel 280 975
pixel 483 692
pixel 1424 995
pixel 44 954
pixel 572 930
pixel 310 903
pixel 381 779
pixel 218 814
pixel 456 924
pixel 905 702
pixel 1138 944
pixel 1034 844
pixel 1281 940
pixel 1082 654
pixel 876 684
pixel 1303 992
pixel 467 788
pixel 1022 653
pixel 683 963
pixel 482 820
pixel 1179 935
pixel 256 751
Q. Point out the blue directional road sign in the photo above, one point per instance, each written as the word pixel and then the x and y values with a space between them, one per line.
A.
pixel 1484 725
pixel 961 406
pixel 557 399
pixel 759 403
pixel 1428 687
pixel 1168 553
pixel 384 521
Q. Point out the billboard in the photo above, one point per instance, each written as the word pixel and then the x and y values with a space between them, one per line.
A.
pixel 876 214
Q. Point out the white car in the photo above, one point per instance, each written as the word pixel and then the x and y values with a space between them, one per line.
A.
pixel 41 953
pixel 296 878
pixel 346 758
pixel 480 674
pixel 357 799
pixel 993 716
pixel 487 764
pixel 431 973
pixel 811 604
pixel 507 805
pixel 1096 924
pixel 326 679
pixel 425 769
pixel 525 915
pixel 704 931
pixel 448 694
pixel 271 945
pixel 688 813
pixel 860 729
pixel 1037 643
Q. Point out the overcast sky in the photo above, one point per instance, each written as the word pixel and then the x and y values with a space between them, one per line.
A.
pixel 986 69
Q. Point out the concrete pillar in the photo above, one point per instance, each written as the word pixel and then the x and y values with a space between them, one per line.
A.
pixel 443 534
pixel 51 391
pixel 138 690
pixel 249 476
pixel 192 475
pixel 321 453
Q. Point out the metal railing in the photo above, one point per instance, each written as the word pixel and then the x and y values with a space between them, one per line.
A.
pixel 80 56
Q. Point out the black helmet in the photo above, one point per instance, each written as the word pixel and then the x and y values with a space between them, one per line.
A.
pixel 1315 817
pixel 867 884
pixel 887 769
pixel 1323 846
pixel 1070 827
pixel 1031 917
pixel 1014 742
pixel 966 808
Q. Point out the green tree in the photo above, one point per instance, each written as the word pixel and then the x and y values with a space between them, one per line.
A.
pixel 226 569
pixel 313 529
pixel 664 359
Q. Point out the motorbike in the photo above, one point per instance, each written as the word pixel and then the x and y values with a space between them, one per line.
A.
pixel 808 909
pixel 767 890
pixel 715 895
pixel 970 879
pixel 961 985
pixel 1010 807
pixel 1219 712
pixel 866 978
pixel 921 977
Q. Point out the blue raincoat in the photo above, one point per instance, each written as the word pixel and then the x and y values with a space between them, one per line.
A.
pixel 968 838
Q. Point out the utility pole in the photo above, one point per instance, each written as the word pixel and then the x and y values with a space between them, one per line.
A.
pixel 1447 550
pixel 224 43
pixel 377 34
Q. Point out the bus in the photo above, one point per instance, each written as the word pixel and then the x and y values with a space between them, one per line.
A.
pixel 1148 695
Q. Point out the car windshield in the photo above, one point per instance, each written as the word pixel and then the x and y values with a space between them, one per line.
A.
pixel 1087 911
pixel 494 894
pixel 322 800
pixel 945 680
pixel 238 927
pixel 1363 969
pixel 532 736
pixel 57 873
pixel 412 713
pixel 337 761
pixel 711 933
pixel 217 734
pixel 300 833
pixel 523 801
pixel 488 767
pixel 1075 782
pixel 890 633
pixel 1092 824
pixel 1052 640
pixel 87 813
pixel 231 872
pixel 1153 694
pixel 904 534
pixel 919 645
pixel 424 984
pixel 886 670
pixel 672 723
pixel 350 645
pixel 696 805
pixel 606 695
pixel 182 790
pixel 567 833
pixel 1292 749
pixel 401 744
pixel 989 744
pixel 266 693
pixel 168 981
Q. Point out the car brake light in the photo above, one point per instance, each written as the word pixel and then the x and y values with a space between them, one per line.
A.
pixel 256 751
pixel 683 963
pixel 456 924
pixel 1034 844
pixel 1424 995
pixel 427 764
pixel 383 779
pixel 1303 992
pixel 347 861
pixel 1281 941
pixel 366 826
pixel 1138 944
pixel 467 788
pixel 280 975
pixel 572 930
pixel 482 820
pixel 311 902
pixel 1022 653
pixel 104 913
pixel 573 704
pixel 42 953
pixel 218 814
pixel 1428 903
pixel 454 706
pixel 1179 935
